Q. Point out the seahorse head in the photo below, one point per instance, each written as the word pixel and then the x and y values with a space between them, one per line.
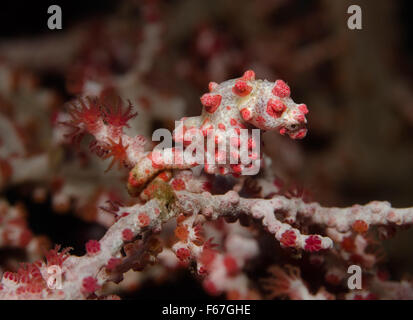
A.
pixel 268 106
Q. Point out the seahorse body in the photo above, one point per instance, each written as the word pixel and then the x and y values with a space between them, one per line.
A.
pixel 229 107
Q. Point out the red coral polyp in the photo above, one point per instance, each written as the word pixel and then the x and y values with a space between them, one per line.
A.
pixel 92 247
pixel 288 238
pixel 360 226
pixel 182 233
pixel 87 113
pixel 118 151
pixel 117 116
pixel 127 234
pixel 183 254
pixel 178 184
pixel 89 285
pixel 211 102
pixel 248 75
pixel 241 88
pixel 275 108
pixel 113 263
pixel 54 257
pixel 281 89
pixel 313 244
pixel 143 219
